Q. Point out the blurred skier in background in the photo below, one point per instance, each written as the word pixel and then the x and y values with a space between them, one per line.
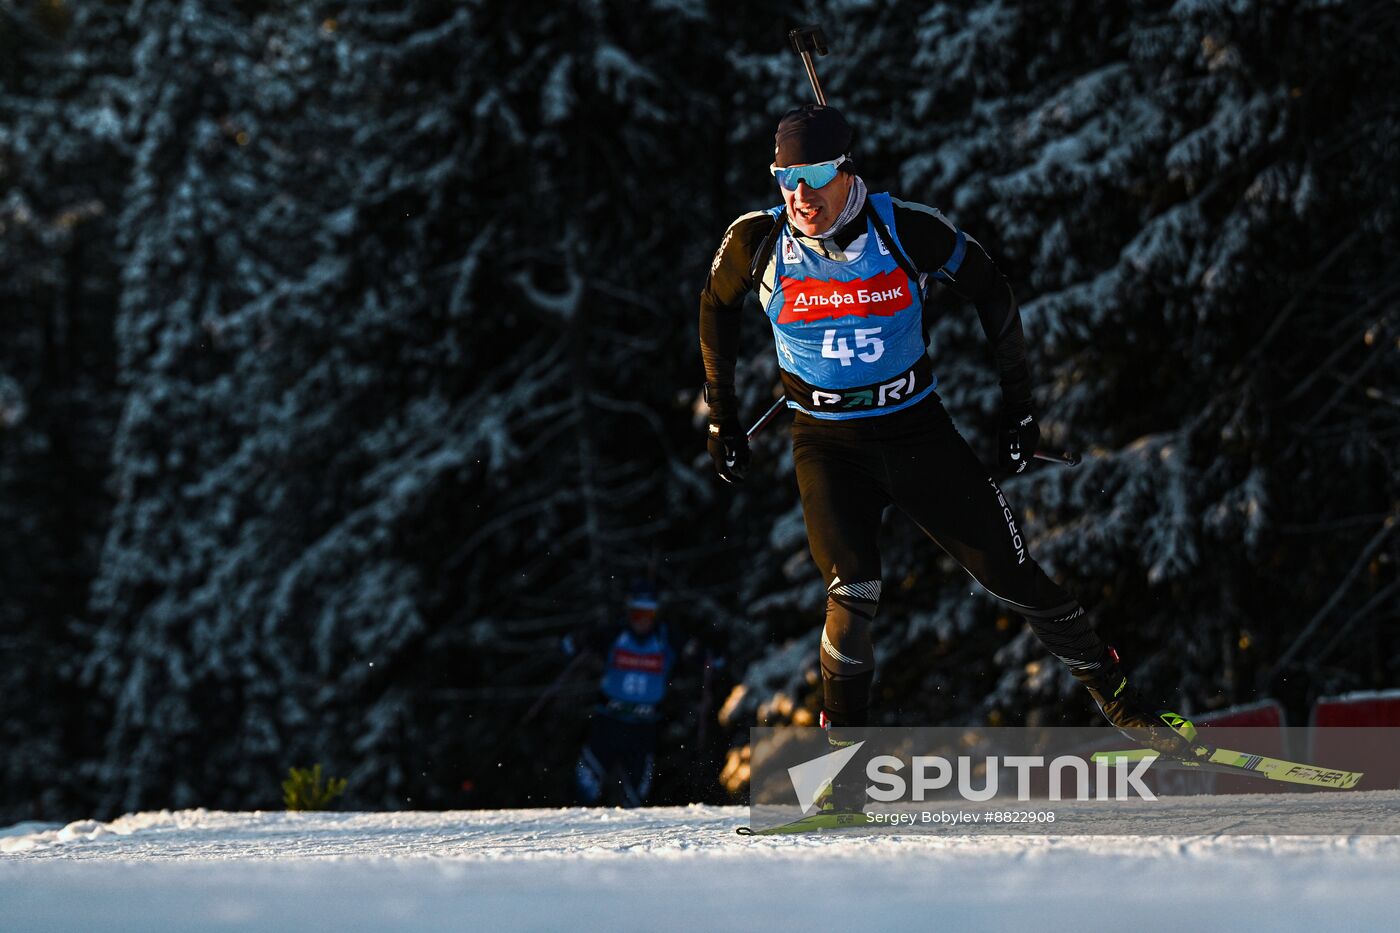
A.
pixel 618 758
pixel 840 273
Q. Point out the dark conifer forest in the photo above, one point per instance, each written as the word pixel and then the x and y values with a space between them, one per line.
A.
pixel 350 361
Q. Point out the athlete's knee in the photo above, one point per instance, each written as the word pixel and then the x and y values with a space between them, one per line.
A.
pixel 847 647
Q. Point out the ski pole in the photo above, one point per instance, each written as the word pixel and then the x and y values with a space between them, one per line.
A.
pixel 1066 459
pixel 806 40
pixel 768 416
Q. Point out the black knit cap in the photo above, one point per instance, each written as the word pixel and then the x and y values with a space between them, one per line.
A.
pixel 811 134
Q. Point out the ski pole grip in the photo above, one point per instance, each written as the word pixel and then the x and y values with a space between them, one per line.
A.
pixel 1065 459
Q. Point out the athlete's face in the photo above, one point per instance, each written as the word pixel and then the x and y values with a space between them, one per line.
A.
pixel 814 210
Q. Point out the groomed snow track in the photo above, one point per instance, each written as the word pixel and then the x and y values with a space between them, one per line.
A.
pixel 671 868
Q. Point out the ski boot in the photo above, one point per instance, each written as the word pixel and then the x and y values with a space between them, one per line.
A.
pixel 1162 730
pixel 846 792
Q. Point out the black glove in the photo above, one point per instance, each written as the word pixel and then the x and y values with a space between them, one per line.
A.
pixel 727 442
pixel 1018 439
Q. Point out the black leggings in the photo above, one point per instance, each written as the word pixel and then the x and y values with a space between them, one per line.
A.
pixel 915 460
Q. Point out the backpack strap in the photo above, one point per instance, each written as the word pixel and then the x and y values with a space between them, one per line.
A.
pixel 897 251
pixel 947 272
pixel 765 250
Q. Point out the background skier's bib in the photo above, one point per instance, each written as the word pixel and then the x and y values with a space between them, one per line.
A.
pixel 637 670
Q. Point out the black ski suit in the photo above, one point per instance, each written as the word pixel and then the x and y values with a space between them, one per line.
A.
pixel 912 458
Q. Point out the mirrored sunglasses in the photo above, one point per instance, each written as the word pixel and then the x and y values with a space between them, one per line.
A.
pixel 816 175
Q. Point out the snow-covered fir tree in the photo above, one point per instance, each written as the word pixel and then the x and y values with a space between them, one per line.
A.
pixel 62 118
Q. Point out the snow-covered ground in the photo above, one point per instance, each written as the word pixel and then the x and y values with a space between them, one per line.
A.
pixel 671 868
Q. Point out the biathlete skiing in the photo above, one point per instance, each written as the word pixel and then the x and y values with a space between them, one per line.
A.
pixel 640 659
pixel 840 273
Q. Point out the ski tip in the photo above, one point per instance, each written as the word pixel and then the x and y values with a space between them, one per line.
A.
pixel 744 831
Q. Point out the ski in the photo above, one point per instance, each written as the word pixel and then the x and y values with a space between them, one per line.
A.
pixel 817 822
pixel 1226 761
